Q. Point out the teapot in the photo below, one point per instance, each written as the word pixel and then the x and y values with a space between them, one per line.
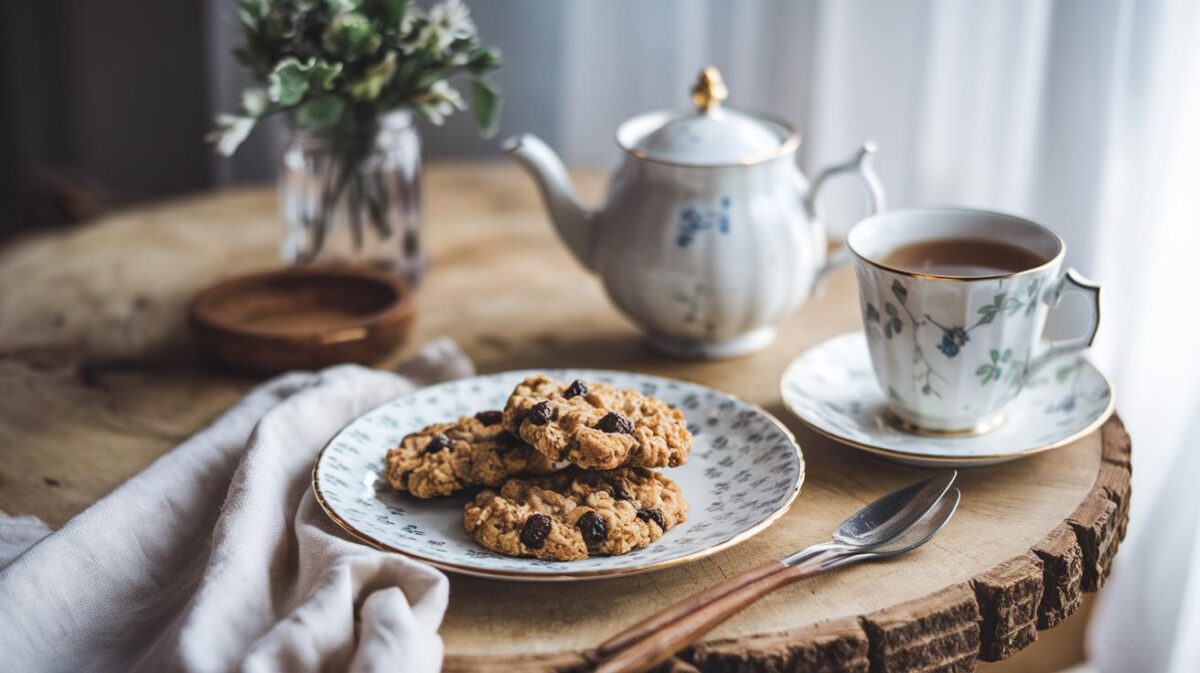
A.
pixel 709 234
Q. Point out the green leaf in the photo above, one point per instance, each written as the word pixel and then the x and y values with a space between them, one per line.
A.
pixel 350 36
pixel 389 12
pixel 321 74
pixel 251 12
pixel 1006 355
pixel 321 112
pixel 431 76
pixel 900 291
pixel 889 308
pixel 482 60
pixel 995 355
pixel 292 80
pixel 987 318
pixel 983 369
pixel 376 77
pixel 485 103
pixel 288 83
pixel 230 132
pixel 278 26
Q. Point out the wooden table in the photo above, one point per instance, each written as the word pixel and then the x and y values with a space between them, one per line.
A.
pixel 99 379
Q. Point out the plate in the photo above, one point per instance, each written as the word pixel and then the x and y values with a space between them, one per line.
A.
pixel 743 473
pixel 832 388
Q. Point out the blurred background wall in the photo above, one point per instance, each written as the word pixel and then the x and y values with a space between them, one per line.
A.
pixel 107 103
pixel 101 104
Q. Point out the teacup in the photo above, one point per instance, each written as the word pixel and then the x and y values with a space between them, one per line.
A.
pixel 951 349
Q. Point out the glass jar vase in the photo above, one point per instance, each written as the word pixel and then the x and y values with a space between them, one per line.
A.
pixel 354 198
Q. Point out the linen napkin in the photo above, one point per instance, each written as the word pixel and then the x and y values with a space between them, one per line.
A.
pixel 218 558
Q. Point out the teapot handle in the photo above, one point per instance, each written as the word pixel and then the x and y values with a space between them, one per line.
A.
pixel 863 164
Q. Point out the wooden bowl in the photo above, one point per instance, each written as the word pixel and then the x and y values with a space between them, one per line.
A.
pixel 302 318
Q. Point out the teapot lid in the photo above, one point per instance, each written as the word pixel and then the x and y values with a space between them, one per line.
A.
pixel 710 135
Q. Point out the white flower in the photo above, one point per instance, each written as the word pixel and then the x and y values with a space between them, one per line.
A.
pixel 448 21
pixel 411 14
pixel 440 102
pixel 231 131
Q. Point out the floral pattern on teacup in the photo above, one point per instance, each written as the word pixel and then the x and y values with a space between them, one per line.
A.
pixel 954 338
pixel 950 354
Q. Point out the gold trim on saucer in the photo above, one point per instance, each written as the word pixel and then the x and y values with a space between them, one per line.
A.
pixel 944 459
pixel 569 575
pixel 981 428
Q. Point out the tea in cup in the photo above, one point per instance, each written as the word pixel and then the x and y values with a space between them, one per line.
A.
pixel 954 302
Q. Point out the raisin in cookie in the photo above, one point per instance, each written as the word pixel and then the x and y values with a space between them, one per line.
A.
pixel 575 514
pixel 597 426
pixel 448 457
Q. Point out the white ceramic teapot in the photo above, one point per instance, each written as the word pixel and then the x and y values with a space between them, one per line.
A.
pixel 709 235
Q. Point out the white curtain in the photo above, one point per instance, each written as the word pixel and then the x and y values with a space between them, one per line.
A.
pixel 1082 114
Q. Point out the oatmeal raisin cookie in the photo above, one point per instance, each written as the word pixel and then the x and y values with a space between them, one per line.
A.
pixel 574 514
pixel 448 457
pixel 596 426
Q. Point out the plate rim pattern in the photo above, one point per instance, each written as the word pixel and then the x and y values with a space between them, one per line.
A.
pixel 567 574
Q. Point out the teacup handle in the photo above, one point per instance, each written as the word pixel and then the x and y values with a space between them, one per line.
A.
pixel 1073 281
pixel 863 164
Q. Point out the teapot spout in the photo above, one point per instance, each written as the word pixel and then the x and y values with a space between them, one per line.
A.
pixel 571 218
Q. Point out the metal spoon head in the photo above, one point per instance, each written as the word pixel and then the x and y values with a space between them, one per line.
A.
pixel 894 513
pixel 924 530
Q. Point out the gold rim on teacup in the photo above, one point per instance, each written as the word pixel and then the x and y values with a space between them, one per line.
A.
pixel 1054 259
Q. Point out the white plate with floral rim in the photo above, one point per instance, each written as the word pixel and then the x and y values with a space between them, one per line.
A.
pixel 832 388
pixel 743 473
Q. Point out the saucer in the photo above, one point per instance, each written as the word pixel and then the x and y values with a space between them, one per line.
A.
pixel 832 388
pixel 742 474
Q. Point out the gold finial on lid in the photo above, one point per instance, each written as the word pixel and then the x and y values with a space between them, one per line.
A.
pixel 710 91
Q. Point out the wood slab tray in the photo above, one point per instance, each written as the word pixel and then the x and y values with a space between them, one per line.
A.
pixel 987 617
pixel 102 380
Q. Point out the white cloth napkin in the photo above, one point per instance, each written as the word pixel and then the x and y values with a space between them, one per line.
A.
pixel 217 557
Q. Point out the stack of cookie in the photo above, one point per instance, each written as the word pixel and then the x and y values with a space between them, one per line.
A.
pixel 572 463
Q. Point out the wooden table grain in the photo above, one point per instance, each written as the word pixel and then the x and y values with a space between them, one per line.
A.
pixel 99 378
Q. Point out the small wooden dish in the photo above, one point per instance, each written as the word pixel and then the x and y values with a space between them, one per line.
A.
pixel 302 318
